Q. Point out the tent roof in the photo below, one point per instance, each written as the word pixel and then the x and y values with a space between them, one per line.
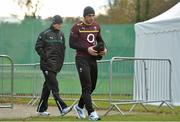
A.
pixel 166 22
pixel 172 13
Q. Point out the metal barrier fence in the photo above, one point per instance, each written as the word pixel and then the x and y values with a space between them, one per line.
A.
pixel 6 81
pixel 149 81
pixel 29 81
pixel 66 75
pixel 121 80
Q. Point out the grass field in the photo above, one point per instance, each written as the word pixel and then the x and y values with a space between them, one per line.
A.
pixel 32 82
pixel 136 117
pixel 139 114
pixel 163 115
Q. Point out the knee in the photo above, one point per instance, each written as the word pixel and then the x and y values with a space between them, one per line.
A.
pixel 86 90
pixel 92 89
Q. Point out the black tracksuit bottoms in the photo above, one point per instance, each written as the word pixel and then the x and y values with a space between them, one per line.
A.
pixel 88 72
pixel 50 84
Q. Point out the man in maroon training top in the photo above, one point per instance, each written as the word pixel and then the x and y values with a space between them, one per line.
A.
pixel 85 38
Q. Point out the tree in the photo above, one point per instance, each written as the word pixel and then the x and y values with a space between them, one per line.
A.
pixel 138 7
pixel 30 7
pixel 121 11
pixel 132 11
pixel 146 9
pixel 159 6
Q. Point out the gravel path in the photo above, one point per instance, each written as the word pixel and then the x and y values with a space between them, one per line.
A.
pixel 24 111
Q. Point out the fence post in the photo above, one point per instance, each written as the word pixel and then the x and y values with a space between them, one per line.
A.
pixel 12 79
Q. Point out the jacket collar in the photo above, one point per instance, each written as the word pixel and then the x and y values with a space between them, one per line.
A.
pixel 54 30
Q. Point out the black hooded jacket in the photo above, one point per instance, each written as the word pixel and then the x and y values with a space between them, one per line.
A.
pixel 50 46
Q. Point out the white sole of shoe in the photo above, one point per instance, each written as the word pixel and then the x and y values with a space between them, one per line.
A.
pixel 78 114
pixel 66 112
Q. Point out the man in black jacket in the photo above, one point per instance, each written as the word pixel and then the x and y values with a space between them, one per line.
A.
pixel 50 46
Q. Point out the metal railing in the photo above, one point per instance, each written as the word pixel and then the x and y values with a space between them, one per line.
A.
pixel 151 79
pixel 121 80
pixel 6 81
pixel 69 83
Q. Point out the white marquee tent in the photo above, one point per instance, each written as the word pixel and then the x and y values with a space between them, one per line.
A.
pixel 159 37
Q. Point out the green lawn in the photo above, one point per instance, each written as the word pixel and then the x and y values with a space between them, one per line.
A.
pixel 138 114
pixel 134 117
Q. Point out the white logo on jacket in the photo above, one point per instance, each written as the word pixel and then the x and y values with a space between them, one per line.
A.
pixel 90 38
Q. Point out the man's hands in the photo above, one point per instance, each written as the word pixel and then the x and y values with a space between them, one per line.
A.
pixel 93 52
pixel 103 52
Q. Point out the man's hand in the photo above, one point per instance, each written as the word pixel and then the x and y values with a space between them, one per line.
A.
pixel 103 52
pixel 92 52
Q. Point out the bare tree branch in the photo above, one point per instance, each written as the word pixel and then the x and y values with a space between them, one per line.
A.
pixel 30 7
